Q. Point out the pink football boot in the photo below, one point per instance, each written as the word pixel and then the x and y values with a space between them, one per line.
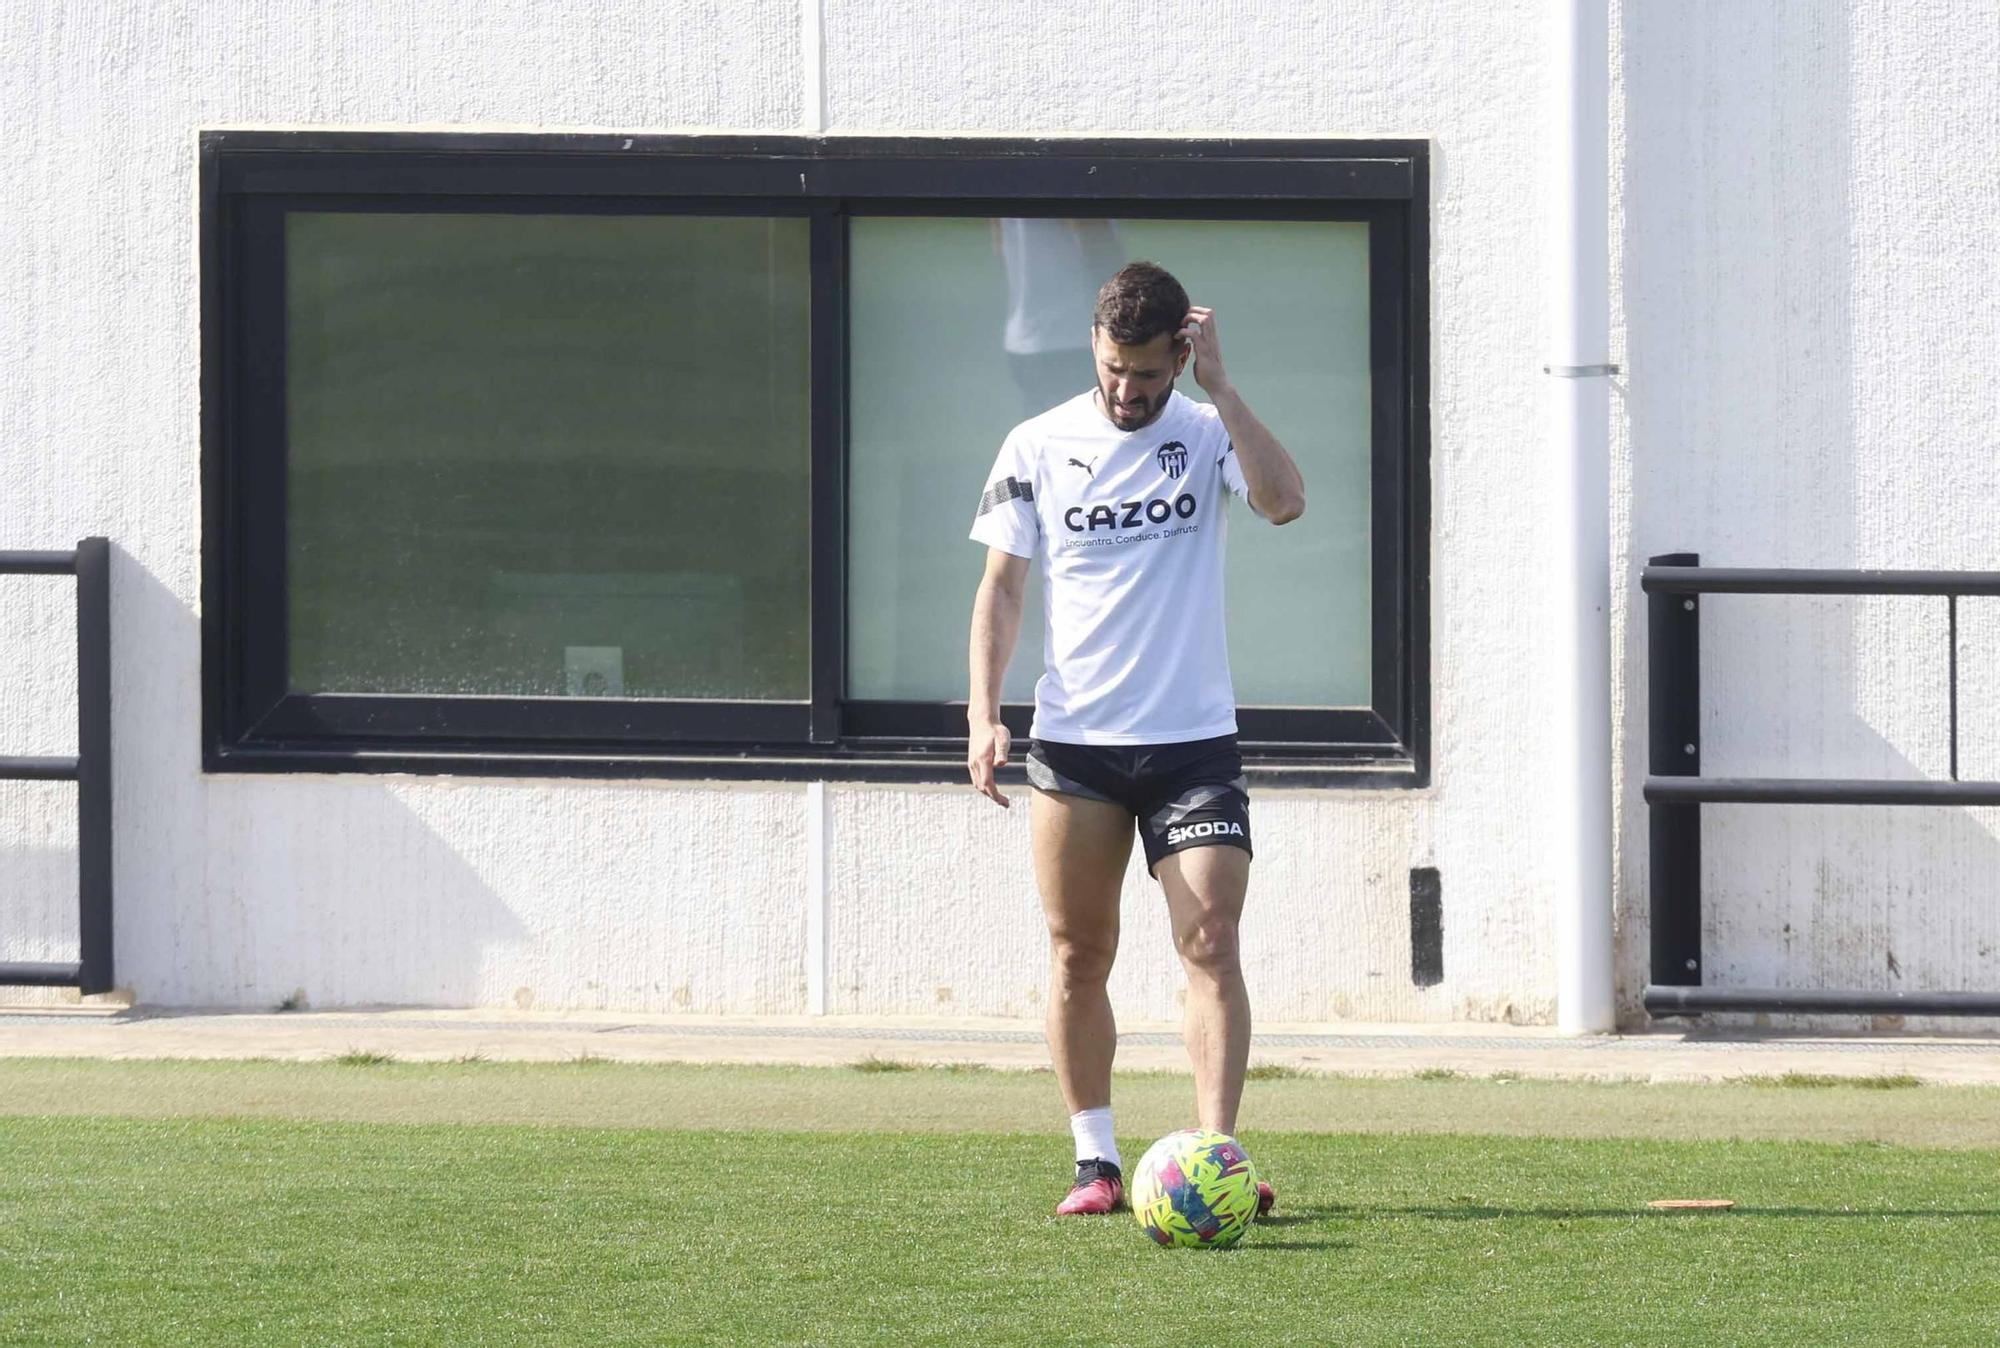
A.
pixel 1099 1187
pixel 1267 1198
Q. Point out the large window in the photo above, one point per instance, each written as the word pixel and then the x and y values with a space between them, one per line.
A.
pixel 510 472
pixel 542 454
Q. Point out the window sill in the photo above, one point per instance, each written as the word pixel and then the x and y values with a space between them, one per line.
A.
pixel 1336 767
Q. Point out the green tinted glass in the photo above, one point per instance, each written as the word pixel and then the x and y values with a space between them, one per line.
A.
pixel 961 328
pixel 547 455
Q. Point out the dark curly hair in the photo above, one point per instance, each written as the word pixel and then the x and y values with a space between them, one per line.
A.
pixel 1138 304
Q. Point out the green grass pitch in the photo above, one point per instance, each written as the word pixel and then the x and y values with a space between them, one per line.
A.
pixel 219 1215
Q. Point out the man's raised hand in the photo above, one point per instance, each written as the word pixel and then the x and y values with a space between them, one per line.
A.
pixel 1198 331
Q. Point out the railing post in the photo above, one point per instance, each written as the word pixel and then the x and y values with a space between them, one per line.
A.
pixel 1673 715
pixel 93 778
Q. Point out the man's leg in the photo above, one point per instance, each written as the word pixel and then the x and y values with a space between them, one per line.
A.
pixel 1081 847
pixel 1205 887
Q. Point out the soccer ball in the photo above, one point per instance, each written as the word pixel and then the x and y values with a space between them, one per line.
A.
pixel 1195 1187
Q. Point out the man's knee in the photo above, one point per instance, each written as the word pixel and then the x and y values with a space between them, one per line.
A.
pixel 1208 943
pixel 1083 957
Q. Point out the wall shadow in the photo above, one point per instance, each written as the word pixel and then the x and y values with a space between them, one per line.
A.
pixel 251 890
pixel 344 890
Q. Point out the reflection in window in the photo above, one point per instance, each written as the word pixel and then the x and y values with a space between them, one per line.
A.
pixel 1054 268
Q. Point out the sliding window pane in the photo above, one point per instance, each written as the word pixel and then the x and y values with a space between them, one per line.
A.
pixel 934 392
pixel 547 455
pixel 960 328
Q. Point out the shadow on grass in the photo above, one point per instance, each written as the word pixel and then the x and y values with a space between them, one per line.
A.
pixel 1297 1217
pixel 1305 1216
pixel 1480 1214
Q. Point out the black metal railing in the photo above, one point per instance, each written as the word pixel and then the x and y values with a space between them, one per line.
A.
pixel 90 769
pixel 1676 790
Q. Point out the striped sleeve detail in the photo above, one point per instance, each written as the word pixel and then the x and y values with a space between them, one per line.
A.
pixel 1005 490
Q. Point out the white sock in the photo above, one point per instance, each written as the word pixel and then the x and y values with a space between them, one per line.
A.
pixel 1092 1128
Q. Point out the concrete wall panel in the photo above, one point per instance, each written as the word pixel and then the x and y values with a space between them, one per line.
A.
pixel 1802 189
pixel 535 895
pixel 1799 202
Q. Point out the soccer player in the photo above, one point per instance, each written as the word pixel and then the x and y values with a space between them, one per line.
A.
pixel 1121 494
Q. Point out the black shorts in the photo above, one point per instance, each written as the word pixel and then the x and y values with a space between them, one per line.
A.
pixel 1182 795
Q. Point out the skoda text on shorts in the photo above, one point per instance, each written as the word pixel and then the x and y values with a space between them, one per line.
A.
pixel 1121 494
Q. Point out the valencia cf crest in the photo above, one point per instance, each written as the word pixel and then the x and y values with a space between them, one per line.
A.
pixel 1173 458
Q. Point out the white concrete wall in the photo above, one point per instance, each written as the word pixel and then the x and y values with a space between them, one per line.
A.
pixel 1806 193
pixel 1783 406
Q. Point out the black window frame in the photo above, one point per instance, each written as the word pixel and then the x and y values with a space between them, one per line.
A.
pixel 252 723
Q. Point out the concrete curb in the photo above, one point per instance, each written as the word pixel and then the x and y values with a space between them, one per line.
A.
pixel 426 1034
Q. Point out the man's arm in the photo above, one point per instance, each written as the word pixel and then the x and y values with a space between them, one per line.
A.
pixel 1277 491
pixel 996 625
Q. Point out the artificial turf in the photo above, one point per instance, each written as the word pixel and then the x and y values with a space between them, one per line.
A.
pixel 227 1230
pixel 873 1095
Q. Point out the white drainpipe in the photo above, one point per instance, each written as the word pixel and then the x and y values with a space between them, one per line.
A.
pixel 812 67
pixel 1579 332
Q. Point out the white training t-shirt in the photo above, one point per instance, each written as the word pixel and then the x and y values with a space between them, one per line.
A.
pixel 1129 527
